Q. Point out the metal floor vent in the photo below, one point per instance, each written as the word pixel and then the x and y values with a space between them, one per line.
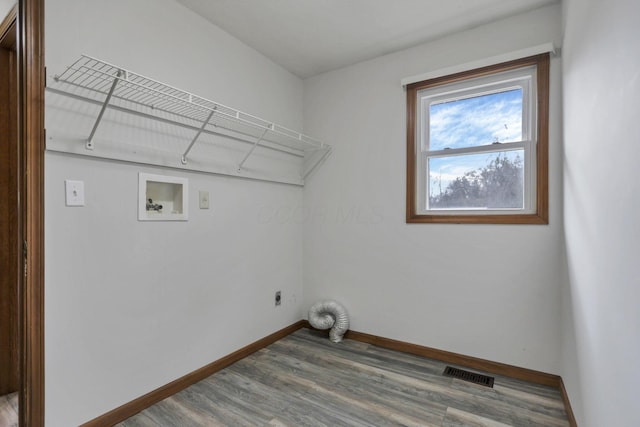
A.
pixel 468 376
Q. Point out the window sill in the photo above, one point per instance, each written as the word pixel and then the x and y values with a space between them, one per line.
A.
pixel 478 219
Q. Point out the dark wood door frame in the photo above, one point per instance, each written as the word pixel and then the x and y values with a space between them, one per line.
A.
pixel 29 45
pixel 10 218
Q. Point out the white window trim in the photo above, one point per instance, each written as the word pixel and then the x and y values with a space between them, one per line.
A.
pixel 548 47
pixel 525 78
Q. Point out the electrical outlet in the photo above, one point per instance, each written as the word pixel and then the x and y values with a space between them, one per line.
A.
pixel 278 298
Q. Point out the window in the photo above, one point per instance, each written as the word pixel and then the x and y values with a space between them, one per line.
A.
pixel 477 145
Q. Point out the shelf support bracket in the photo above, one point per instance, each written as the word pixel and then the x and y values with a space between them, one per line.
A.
pixel 89 144
pixel 255 144
pixel 197 135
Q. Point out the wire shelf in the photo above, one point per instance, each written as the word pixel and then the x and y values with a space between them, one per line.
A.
pixel 131 92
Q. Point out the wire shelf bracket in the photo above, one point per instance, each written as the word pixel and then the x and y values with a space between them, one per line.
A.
pixel 246 156
pixel 195 138
pixel 89 144
pixel 98 82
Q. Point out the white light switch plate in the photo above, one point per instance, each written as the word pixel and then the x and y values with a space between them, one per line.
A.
pixel 74 192
pixel 204 199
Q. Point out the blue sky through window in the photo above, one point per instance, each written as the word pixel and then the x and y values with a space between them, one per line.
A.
pixel 480 120
pixel 472 122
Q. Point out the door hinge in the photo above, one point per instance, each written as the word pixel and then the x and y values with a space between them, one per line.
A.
pixel 24 252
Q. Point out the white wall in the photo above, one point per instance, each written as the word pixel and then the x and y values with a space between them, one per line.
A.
pixel 482 290
pixel 602 206
pixel 5 7
pixel 131 306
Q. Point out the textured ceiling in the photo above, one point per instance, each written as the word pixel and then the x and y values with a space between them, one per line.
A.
pixel 309 37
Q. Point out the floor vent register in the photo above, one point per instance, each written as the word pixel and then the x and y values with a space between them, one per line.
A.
pixel 472 377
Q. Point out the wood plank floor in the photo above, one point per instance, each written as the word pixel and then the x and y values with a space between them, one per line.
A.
pixel 9 410
pixel 305 380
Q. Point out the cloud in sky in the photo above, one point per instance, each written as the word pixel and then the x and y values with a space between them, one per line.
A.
pixel 476 121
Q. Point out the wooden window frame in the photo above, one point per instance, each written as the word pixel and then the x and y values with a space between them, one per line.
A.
pixel 541 212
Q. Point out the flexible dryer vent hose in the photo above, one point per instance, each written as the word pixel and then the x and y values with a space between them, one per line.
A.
pixel 330 314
